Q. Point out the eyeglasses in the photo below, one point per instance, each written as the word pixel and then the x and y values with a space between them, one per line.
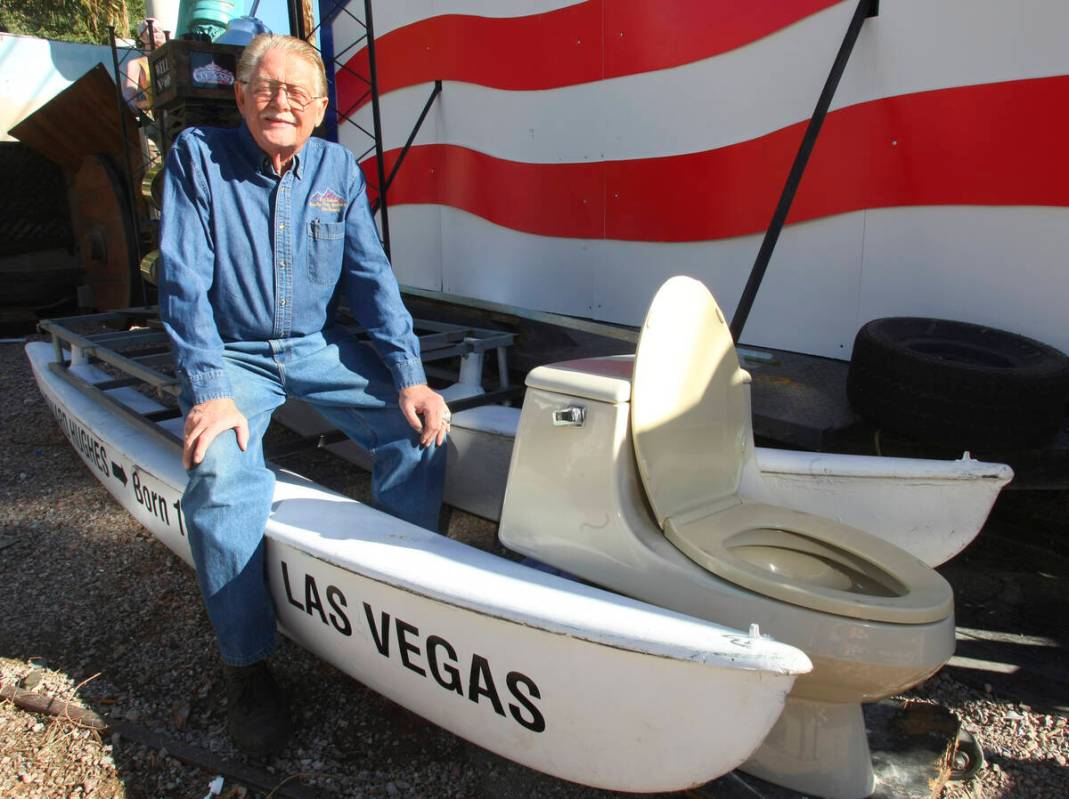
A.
pixel 266 90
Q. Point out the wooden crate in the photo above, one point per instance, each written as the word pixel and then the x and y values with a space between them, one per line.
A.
pixel 193 70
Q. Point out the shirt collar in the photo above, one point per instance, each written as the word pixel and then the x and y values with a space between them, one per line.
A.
pixel 259 161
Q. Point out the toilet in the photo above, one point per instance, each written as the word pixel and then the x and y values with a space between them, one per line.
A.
pixel 638 474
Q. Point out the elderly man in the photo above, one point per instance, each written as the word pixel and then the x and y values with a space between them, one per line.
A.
pixel 262 226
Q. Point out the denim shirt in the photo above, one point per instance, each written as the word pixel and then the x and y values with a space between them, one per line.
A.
pixel 247 255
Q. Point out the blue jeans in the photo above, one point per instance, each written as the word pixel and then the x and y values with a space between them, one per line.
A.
pixel 228 498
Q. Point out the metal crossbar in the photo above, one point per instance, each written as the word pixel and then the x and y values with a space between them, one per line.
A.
pixel 323 440
pixel 125 351
pixel 338 58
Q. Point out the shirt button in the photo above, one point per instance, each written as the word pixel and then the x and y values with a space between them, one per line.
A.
pixel 281 225
pixel 282 303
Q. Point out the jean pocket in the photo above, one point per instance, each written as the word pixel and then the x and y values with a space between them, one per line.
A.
pixel 326 247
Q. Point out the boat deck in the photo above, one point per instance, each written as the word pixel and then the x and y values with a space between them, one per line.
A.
pixel 132 344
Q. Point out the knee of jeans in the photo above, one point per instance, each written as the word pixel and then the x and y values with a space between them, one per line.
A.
pixel 409 447
pixel 225 459
pixel 431 457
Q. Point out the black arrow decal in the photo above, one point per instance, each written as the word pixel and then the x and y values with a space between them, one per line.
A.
pixel 117 470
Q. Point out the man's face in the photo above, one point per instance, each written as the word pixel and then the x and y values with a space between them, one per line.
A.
pixel 277 123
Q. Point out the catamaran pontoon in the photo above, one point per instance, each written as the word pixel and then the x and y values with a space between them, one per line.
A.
pixel 528 664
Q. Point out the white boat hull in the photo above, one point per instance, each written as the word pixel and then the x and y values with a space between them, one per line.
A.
pixel 567 679
pixel 932 509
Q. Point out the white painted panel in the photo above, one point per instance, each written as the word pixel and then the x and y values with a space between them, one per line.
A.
pixel 808 300
pixel 807 303
pixel 912 46
pixel 1000 266
pixel 1005 267
pixel 480 259
pixel 917 45
pixel 629 274
pixel 416 249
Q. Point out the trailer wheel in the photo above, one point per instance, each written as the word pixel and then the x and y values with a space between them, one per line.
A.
pixel 958 384
pixel 968 758
pixel 100 209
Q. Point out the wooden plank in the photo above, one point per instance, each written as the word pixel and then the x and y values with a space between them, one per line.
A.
pixel 80 121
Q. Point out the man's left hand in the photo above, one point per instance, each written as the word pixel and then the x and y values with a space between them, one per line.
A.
pixel 426 411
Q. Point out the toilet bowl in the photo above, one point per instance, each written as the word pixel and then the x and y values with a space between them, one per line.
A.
pixel 626 473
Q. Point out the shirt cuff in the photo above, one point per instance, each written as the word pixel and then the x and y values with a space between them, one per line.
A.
pixel 407 372
pixel 209 385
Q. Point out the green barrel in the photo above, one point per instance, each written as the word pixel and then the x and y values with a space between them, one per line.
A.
pixel 208 17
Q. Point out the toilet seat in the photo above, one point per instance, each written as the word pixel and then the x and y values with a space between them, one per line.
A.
pixel 820 564
pixel 692 433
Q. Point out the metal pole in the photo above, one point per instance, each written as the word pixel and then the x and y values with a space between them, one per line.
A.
pixel 865 8
pixel 135 227
pixel 301 19
pixel 293 7
pixel 415 130
pixel 411 138
pixel 380 160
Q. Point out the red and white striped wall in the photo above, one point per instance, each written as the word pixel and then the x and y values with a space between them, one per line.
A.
pixel 582 152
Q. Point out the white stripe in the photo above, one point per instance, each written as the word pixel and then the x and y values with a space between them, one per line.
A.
pixel 997 266
pixel 393 14
pixel 914 45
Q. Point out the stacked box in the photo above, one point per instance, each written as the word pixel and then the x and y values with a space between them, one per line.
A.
pixel 184 71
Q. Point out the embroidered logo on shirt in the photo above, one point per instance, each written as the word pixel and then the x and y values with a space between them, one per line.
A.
pixel 327 200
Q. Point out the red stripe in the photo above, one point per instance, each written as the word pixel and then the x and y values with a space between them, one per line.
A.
pixel 992 144
pixel 578 44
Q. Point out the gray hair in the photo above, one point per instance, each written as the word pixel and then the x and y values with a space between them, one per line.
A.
pixel 258 47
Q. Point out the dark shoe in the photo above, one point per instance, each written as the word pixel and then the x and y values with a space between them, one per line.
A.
pixel 257 710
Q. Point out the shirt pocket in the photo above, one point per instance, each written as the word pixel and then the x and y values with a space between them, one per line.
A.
pixel 326 247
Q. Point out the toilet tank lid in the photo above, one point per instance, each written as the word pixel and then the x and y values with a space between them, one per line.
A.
pixel 606 379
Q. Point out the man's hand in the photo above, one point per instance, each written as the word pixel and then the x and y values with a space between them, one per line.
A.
pixel 421 401
pixel 207 420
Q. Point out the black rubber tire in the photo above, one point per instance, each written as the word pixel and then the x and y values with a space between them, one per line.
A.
pixel 957 384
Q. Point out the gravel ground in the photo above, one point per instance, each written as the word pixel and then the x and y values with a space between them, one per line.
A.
pixel 96 613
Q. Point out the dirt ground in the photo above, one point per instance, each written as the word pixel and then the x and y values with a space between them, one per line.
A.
pixel 95 612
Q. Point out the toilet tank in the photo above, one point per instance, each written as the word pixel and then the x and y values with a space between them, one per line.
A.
pixel 572 480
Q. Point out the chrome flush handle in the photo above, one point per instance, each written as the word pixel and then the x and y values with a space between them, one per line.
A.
pixel 572 416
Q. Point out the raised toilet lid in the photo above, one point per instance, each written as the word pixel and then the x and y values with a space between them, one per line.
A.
pixel 690 409
pixel 690 423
